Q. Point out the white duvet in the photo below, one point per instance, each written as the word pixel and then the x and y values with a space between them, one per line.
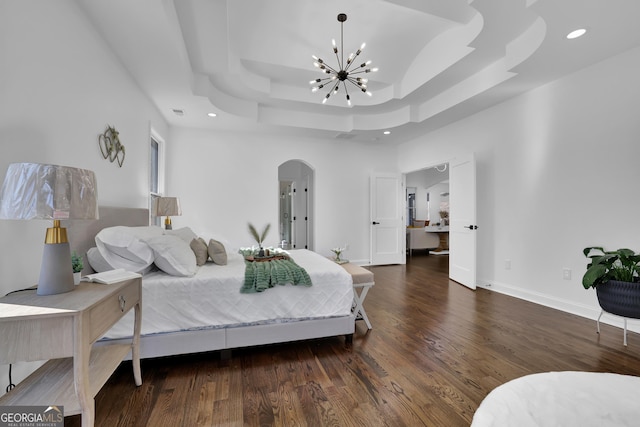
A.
pixel 212 298
pixel 562 399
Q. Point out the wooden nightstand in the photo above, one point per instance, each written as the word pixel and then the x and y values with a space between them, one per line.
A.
pixel 64 328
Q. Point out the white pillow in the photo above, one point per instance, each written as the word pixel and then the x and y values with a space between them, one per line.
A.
pixel 97 261
pixel 185 233
pixel 173 255
pixel 128 242
pixel 99 264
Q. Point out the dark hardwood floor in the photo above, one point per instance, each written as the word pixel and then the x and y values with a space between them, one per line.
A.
pixel 436 349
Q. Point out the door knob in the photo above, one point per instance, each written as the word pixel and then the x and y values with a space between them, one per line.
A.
pixel 375 223
pixel 471 227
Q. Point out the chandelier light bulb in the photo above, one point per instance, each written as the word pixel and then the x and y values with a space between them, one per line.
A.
pixel 345 72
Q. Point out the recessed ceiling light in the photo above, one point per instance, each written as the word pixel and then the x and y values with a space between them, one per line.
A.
pixel 211 114
pixel 576 33
pixel 387 132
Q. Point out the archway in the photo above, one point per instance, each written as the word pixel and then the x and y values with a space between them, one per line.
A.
pixel 296 180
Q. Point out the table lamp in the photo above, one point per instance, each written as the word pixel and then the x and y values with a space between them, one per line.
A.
pixel 169 206
pixel 39 191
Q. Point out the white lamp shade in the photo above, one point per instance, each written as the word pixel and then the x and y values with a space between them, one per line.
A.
pixel 167 206
pixel 39 191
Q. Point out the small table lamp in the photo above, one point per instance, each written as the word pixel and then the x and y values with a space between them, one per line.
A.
pixel 38 191
pixel 169 206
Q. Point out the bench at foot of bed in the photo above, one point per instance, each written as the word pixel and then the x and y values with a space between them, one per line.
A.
pixel 362 281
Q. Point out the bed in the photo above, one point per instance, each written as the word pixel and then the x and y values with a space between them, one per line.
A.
pixel 566 399
pixel 207 312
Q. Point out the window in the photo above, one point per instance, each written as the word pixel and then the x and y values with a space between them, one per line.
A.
pixel 156 173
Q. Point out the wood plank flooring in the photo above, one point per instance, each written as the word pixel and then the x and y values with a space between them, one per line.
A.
pixel 436 349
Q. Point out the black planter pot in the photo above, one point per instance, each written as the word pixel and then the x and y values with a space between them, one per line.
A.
pixel 620 298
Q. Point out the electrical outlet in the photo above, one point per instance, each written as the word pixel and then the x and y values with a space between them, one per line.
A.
pixel 507 264
pixel 566 273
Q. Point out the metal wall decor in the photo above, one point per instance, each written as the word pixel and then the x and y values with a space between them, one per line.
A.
pixel 110 145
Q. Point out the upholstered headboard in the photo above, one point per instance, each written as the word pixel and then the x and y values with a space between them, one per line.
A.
pixel 81 233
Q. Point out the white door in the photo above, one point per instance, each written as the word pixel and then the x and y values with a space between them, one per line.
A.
pixel 387 226
pixel 462 220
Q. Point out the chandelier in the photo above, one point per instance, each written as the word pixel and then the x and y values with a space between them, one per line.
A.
pixel 343 73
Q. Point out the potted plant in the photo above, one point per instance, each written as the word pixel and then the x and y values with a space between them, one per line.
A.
pixel 614 275
pixel 259 237
pixel 77 265
pixel 338 251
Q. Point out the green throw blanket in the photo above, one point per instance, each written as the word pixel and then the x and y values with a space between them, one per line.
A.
pixel 260 276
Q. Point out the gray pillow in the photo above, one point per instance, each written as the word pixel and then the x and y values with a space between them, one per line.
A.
pixel 217 252
pixel 199 247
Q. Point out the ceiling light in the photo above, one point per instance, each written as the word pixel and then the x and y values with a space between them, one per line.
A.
pixel 211 114
pixel 576 33
pixel 387 132
pixel 343 73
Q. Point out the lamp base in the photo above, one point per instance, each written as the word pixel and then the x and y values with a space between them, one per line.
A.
pixel 56 274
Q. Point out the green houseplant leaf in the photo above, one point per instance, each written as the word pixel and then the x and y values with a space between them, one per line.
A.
pixel 259 238
pixel 621 264
pixel 76 262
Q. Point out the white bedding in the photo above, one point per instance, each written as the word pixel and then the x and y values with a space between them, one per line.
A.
pixel 212 298
pixel 562 399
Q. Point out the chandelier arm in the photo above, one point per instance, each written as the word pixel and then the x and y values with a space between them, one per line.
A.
pixel 363 65
pixel 358 72
pixel 345 87
pixel 331 91
pixel 338 59
pixel 323 81
pixel 330 68
pixel 346 92
pixel 353 61
pixel 354 83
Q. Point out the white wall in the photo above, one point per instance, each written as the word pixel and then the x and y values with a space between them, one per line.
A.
pixel 225 180
pixel 558 170
pixel 60 86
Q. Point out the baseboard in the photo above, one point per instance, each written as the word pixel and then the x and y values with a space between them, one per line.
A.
pixel 559 304
pixel 360 262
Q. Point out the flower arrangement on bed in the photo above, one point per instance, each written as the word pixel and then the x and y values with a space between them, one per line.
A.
pixel 195 298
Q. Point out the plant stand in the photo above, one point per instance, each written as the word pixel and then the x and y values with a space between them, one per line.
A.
pixel 620 299
pixel 624 340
